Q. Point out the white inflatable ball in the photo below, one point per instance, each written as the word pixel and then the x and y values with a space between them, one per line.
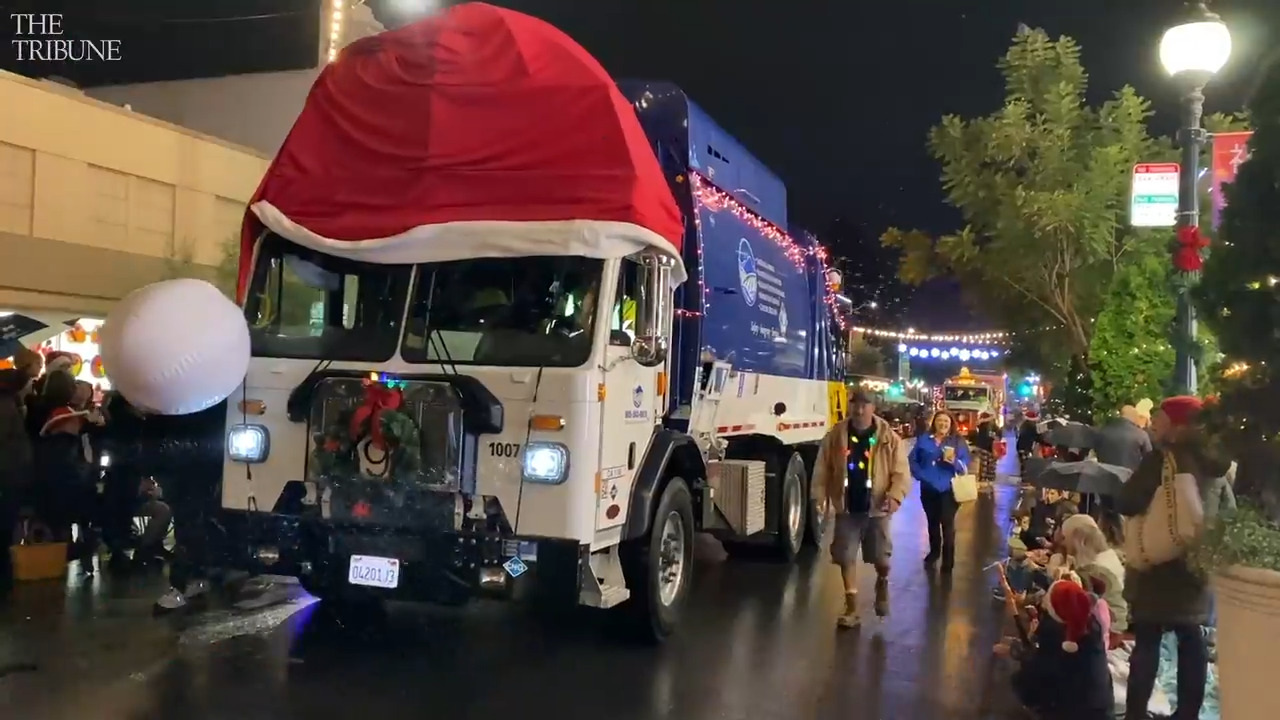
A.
pixel 176 347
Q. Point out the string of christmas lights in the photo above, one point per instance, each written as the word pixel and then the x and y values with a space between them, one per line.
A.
pixel 989 337
pixel 336 19
pixel 962 354
pixel 715 199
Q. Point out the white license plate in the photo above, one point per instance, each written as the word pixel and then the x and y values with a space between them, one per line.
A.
pixel 371 571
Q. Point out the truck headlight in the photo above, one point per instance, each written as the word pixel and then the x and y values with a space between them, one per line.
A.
pixel 545 462
pixel 248 443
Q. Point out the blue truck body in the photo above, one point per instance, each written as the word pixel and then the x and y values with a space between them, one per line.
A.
pixel 746 301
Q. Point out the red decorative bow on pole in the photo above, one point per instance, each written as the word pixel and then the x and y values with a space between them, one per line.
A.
pixel 377 400
pixel 1188 256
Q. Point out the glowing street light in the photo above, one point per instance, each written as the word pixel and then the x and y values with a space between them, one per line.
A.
pixel 1201 45
pixel 1192 51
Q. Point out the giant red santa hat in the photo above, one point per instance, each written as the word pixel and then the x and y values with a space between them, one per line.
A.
pixel 478 132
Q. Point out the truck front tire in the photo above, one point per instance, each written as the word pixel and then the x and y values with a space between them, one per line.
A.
pixel 659 567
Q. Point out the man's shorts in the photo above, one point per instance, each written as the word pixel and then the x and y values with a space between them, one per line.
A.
pixel 860 530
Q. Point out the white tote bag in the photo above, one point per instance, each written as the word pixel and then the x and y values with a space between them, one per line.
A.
pixel 1172 522
pixel 964 488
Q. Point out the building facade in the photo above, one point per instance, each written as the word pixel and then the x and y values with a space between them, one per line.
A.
pixel 96 200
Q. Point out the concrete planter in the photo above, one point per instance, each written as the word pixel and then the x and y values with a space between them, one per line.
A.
pixel 1248 641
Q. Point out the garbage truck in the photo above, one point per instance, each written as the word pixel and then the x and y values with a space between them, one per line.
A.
pixel 506 329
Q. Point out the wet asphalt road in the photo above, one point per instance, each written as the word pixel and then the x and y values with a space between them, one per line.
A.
pixel 759 642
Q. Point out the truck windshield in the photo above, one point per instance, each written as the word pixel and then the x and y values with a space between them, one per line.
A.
pixel 522 312
pixel 965 394
pixel 304 304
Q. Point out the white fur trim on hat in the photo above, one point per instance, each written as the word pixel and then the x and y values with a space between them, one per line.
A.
pixel 1070 647
pixel 58 415
pixel 59 362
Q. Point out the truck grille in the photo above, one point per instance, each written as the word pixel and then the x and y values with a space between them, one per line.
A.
pixel 361 485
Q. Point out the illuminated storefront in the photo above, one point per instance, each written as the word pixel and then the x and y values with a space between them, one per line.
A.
pixel 77 337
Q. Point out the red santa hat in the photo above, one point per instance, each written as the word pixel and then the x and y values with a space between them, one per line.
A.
pixel 1070 605
pixel 59 360
pixel 61 415
pixel 1181 409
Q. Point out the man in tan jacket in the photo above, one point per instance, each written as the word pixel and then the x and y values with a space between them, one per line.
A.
pixel 862 472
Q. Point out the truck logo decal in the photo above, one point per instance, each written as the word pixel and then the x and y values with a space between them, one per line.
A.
pixel 747 278
pixel 636 413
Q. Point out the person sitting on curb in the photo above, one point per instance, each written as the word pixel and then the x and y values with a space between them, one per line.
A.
pixel 862 475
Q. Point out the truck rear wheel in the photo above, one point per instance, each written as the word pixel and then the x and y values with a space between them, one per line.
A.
pixel 659 567
pixel 792 508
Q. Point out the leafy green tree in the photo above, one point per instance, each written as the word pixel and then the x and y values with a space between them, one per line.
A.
pixel 1042 185
pixel 1129 353
pixel 1239 300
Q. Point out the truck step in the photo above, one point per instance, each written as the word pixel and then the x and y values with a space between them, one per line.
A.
pixel 610 596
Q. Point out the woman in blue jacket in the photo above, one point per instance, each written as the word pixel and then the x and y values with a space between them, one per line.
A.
pixel 938 456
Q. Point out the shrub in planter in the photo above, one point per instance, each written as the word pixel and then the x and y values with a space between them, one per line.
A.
pixel 1239 299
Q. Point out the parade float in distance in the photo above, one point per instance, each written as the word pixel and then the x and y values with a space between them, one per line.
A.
pixel 506 328
pixel 971 397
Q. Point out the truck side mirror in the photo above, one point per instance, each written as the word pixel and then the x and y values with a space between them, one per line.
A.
pixel 653 312
pixel 649 351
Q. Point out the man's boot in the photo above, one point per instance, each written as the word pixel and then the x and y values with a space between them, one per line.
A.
pixel 948 558
pixel 850 618
pixel 882 594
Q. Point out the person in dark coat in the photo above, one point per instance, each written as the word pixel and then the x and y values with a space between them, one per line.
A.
pixel 1172 596
pixel 1065 676
pixel 16 459
pixel 984 443
pixel 66 491
pixel 55 389
pixel 1123 441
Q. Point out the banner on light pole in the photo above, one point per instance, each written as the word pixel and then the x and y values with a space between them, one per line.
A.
pixel 1230 150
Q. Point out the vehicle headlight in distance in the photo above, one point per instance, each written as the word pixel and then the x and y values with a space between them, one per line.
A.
pixel 248 443
pixel 545 462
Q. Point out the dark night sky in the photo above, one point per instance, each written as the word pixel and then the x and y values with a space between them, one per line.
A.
pixel 835 97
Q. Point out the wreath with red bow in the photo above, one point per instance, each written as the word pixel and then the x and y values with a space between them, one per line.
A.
pixel 376 431
pixel 1188 255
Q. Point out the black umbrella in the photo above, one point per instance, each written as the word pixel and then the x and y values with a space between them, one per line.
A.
pixel 1071 435
pixel 1088 477
pixel 20 329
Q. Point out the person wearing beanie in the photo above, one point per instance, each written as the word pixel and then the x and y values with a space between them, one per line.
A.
pixel 1169 597
pixel 1123 441
pixel 1065 676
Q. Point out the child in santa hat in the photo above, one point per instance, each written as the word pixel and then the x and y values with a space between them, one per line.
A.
pixel 1066 675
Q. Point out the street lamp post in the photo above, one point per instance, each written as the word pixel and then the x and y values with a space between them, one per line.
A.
pixel 1192 51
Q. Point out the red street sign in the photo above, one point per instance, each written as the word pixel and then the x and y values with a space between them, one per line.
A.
pixel 1155 168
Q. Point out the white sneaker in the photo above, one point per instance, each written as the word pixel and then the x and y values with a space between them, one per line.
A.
pixel 196 588
pixel 171 600
pixel 175 599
